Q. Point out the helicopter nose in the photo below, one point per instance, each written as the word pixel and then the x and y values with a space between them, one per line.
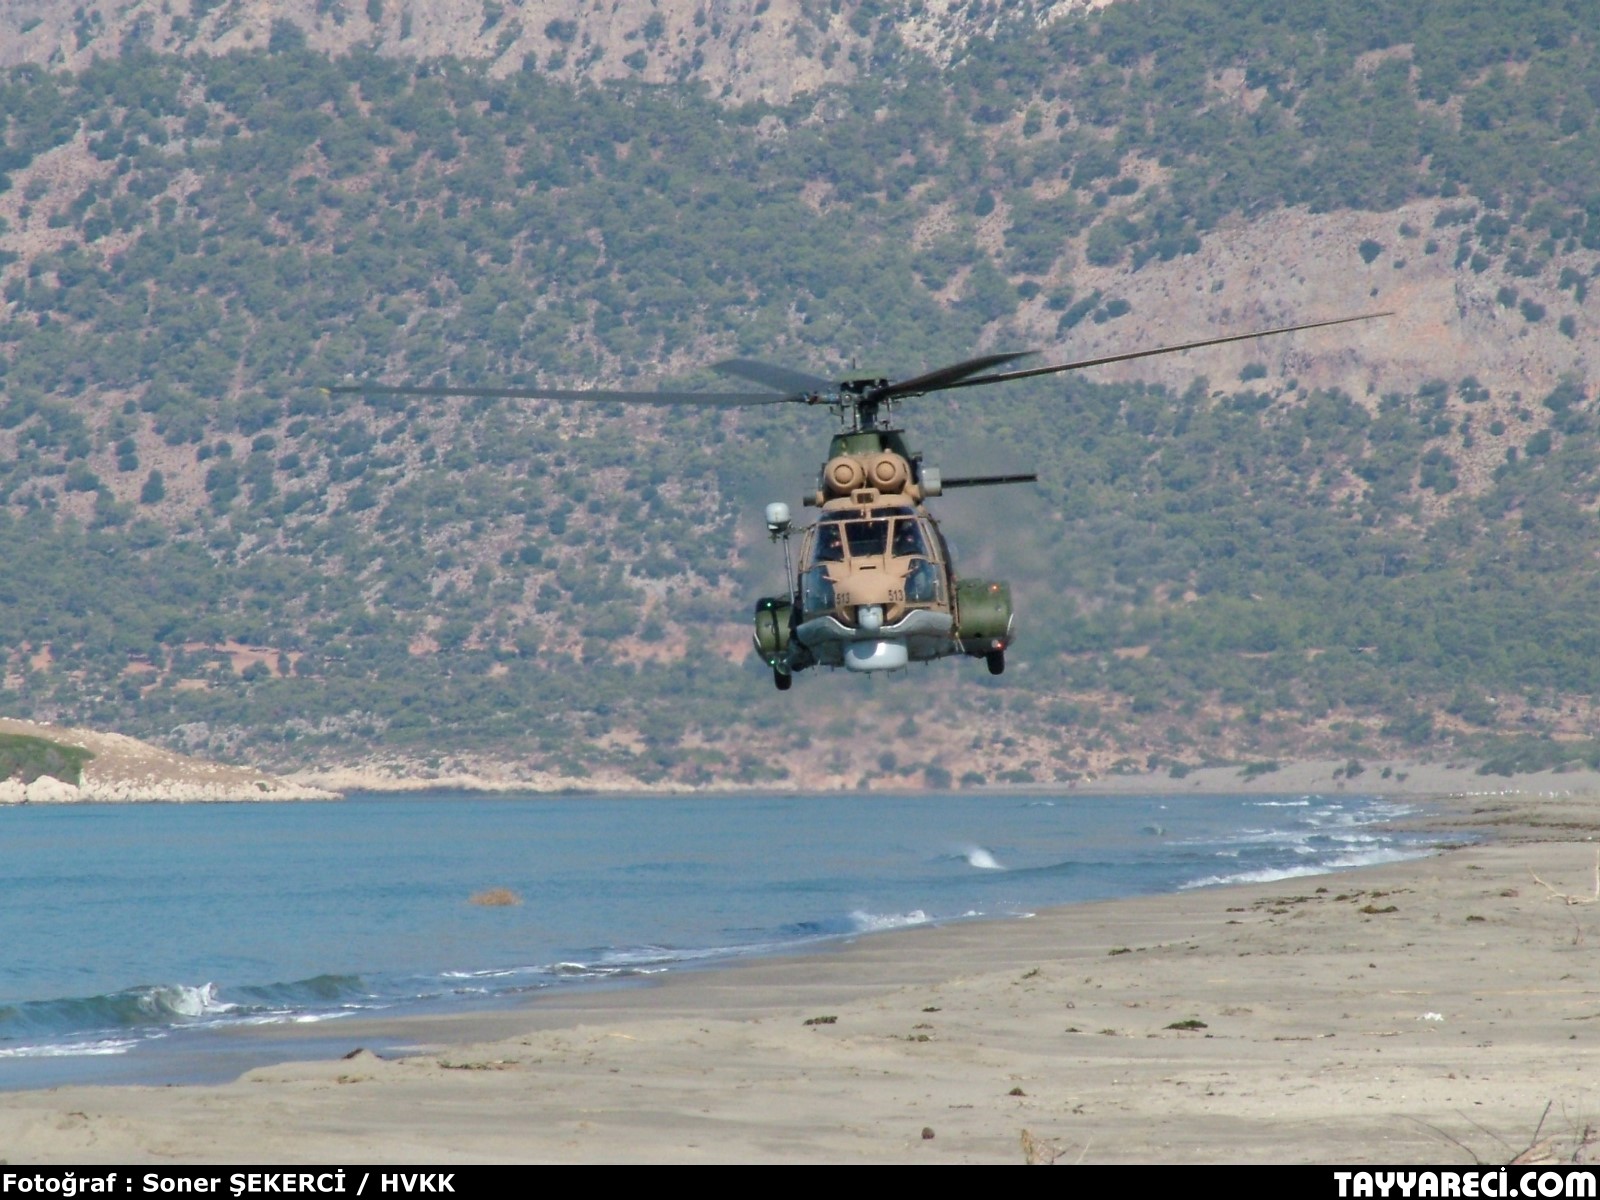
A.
pixel 869 618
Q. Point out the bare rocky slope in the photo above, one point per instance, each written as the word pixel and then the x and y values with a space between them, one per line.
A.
pixel 739 49
pixel 126 769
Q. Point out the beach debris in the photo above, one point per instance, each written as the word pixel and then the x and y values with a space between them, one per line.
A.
pixel 1540 1148
pixel 1571 899
pixel 1037 1152
pixel 1431 1016
pixel 1016 1091
pixel 500 897
pixel 1191 1023
pixel 1120 950
pixel 927 1133
pixel 828 1020
pixel 1372 910
pixel 932 1008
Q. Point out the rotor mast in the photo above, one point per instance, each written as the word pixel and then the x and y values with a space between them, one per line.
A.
pixel 861 405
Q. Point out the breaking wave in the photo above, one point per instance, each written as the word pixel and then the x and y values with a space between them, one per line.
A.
pixel 115 1022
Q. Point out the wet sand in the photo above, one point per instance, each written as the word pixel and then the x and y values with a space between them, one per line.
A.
pixel 1427 1011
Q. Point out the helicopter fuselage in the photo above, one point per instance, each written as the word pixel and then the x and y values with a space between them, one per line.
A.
pixel 875 587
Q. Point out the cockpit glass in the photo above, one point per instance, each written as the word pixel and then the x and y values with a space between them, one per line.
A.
pixel 908 540
pixel 866 538
pixel 829 544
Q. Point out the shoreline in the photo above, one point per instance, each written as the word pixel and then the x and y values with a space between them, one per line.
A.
pixel 121 769
pixel 1421 1011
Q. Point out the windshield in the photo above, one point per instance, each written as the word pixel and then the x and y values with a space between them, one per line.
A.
pixel 866 538
pixel 908 539
pixel 869 537
pixel 829 546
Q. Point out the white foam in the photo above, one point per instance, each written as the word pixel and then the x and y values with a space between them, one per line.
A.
pixel 491 973
pixel 978 857
pixel 288 1017
pixel 874 923
pixel 101 1046
pixel 184 1001
pixel 1337 863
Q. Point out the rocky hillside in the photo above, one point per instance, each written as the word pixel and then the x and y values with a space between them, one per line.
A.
pixel 738 50
pixel 1376 535
pixel 62 766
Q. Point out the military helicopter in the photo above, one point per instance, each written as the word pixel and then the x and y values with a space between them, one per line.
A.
pixel 876 587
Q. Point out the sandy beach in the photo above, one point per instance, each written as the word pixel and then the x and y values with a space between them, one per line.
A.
pixel 1428 1011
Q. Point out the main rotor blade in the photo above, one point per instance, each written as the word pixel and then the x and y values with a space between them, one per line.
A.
pixel 780 379
pixel 1132 354
pixel 714 399
pixel 945 377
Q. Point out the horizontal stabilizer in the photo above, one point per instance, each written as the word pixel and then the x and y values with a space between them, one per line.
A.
pixel 988 480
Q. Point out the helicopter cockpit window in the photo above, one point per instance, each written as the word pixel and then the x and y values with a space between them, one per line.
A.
pixel 922 583
pixel 829 546
pixel 908 539
pixel 816 591
pixel 867 538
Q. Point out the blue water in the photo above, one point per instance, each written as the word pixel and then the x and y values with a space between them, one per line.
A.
pixel 135 929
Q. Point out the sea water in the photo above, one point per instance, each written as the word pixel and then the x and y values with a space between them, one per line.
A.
pixel 128 932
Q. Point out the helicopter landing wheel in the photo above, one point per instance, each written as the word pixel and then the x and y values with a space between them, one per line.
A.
pixel 997 662
pixel 782 680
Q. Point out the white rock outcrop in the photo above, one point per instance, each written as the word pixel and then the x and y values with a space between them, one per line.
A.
pixel 127 770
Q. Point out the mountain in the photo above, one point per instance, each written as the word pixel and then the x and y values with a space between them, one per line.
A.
pixel 738 50
pixel 1351 541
